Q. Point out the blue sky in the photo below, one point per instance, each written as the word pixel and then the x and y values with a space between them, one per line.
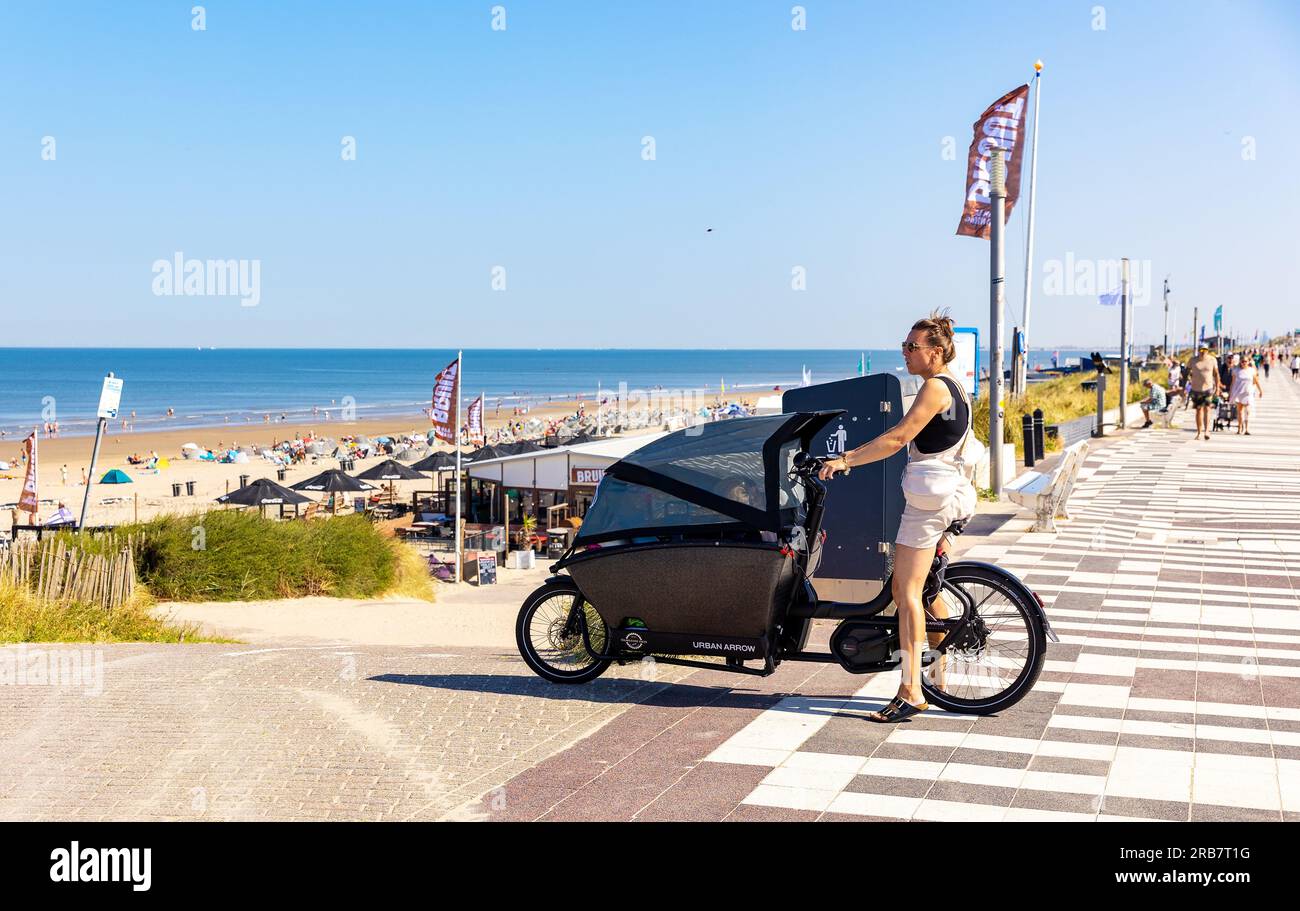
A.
pixel 522 149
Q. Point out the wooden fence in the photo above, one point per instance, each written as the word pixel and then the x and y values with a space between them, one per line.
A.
pixel 53 570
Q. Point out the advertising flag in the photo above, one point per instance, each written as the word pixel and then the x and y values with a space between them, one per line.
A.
pixel 28 500
pixel 1109 300
pixel 446 390
pixel 1001 125
pixel 1218 319
pixel 476 419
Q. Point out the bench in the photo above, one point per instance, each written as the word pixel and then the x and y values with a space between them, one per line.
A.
pixel 1048 494
pixel 1071 432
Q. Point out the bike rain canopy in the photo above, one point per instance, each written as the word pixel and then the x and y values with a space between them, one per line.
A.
pixel 715 475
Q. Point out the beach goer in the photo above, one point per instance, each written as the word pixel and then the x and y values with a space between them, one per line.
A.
pixel 83 476
pixel 936 427
pixel 63 475
pixel 62 516
pixel 1156 401
pixel 1295 366
pixel 1245 387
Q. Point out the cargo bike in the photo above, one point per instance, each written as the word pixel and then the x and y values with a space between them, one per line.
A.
pixel 704 544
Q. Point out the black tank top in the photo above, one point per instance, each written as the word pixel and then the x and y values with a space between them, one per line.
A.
pixel 946 428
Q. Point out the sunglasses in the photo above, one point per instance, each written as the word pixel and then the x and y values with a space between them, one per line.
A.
pixel 909 347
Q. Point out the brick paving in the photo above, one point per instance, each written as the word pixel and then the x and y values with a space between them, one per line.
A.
pixel 186 732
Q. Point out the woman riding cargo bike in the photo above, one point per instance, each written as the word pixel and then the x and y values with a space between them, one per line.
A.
pixel 704 543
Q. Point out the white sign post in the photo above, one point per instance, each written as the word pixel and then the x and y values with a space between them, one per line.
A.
pixel 110 397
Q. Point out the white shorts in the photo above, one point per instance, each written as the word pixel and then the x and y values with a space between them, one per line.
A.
pixel 922 528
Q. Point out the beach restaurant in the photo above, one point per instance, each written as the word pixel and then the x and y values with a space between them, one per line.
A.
pixel 539 483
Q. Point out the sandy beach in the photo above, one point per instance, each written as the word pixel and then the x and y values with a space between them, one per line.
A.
pixel 150 492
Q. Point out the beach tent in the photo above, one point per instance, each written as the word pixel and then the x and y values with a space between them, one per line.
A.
pixel 115 476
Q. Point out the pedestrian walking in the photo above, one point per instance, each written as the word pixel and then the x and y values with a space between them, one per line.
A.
pixel 1203 383
pixel 1245 388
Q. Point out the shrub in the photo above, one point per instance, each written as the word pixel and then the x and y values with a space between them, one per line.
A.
pixel 237 555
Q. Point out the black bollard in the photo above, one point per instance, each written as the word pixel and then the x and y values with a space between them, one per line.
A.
pixel 1027 427
pixel 1040 447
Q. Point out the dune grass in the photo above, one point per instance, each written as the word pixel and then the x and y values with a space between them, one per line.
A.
pixel 230 555
pixel 25 618
pixel 1061 400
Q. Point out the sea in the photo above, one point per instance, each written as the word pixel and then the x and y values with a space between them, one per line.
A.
pixel 207 387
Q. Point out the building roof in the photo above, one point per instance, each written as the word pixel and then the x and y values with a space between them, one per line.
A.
pixel 614 448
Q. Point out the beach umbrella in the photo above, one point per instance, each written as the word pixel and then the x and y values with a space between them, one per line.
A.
pixel 486 452
pixel 390 470
pixel 116 476
pixel 263 492
pixel 436 461
pixel 190 446
pixel 333 481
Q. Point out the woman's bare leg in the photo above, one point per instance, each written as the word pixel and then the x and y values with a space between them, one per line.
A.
pixel 911 566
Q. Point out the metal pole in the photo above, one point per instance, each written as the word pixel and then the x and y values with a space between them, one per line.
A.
pixel 1196 342
pixel 90 478
pixel 1123 344
pixel 1166 349
pixel 1022 362
pixel 997 282
pixel 460 541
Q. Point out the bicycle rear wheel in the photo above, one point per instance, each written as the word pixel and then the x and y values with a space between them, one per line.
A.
pixel 996 659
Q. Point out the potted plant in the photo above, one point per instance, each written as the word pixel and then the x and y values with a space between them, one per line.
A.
pixel 530 532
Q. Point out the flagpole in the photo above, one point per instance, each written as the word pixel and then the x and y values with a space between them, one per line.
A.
pixel 460 539
pixel 997 274
pixel 1023 363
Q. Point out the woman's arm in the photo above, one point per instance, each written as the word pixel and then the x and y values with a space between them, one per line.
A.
pixel 934 398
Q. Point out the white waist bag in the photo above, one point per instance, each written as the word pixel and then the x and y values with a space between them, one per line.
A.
pixel 932 480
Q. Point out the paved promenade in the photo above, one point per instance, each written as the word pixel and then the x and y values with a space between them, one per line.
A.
pixel 1173 695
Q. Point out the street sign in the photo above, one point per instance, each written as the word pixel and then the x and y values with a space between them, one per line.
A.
pixel 965 366
pixel 110 397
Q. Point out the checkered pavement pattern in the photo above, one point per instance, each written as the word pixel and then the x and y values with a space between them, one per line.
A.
pixel 1174 693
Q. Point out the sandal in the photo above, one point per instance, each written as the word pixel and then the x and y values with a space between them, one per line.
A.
pixel 897 709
